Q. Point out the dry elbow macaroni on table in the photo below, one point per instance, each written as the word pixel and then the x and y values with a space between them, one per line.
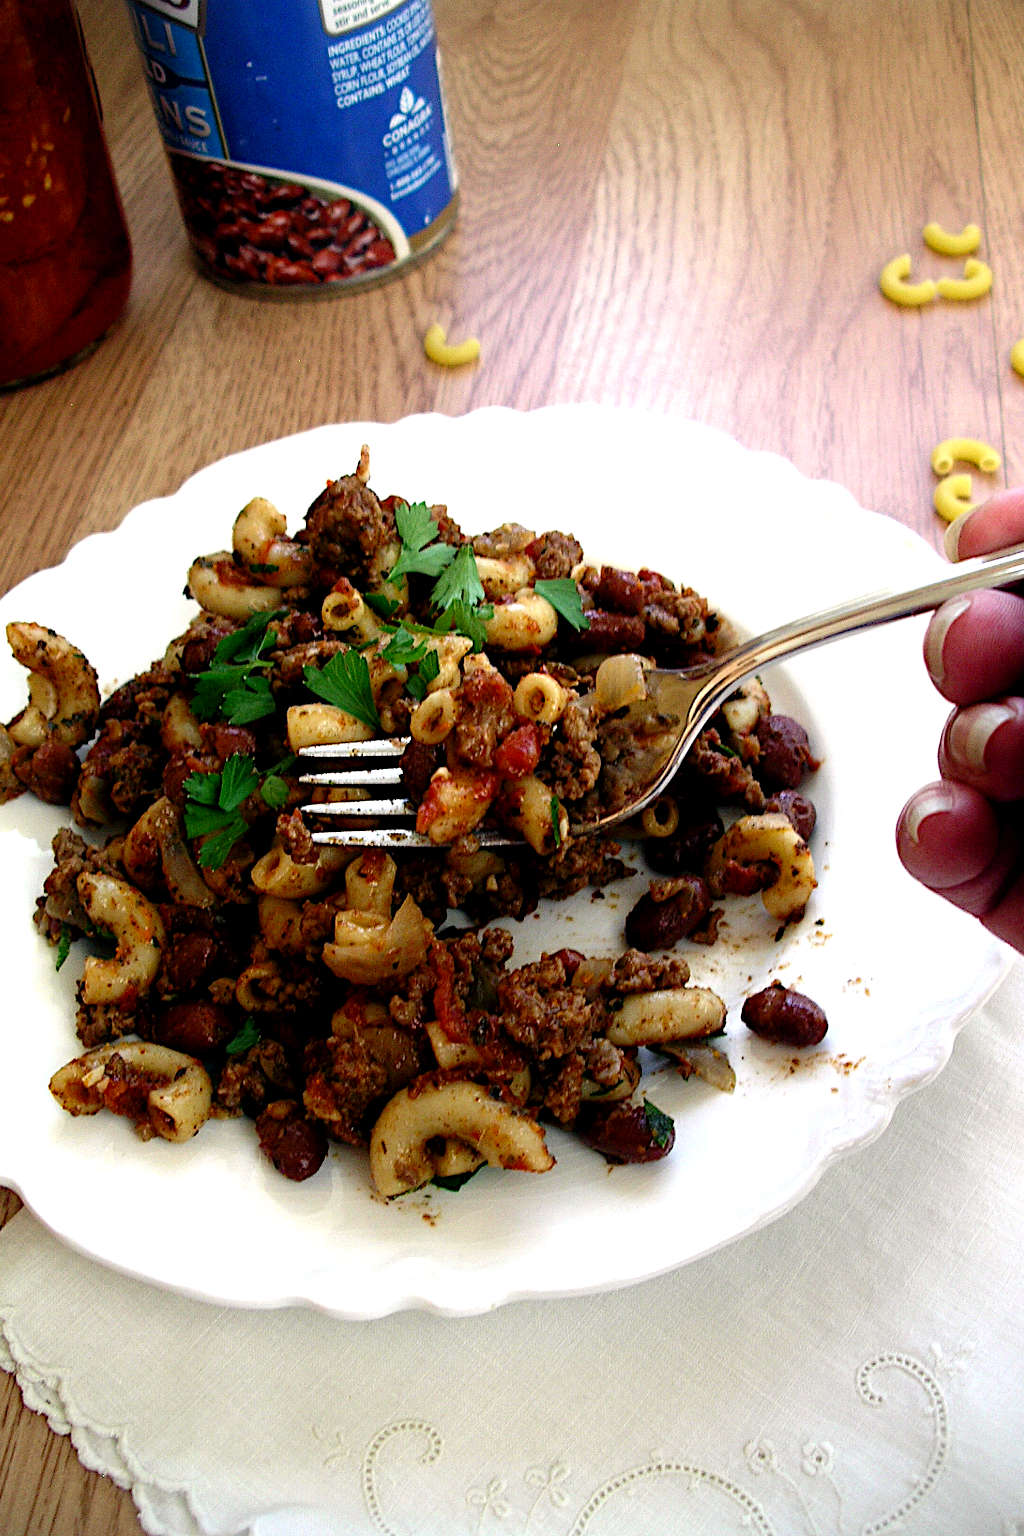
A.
pixel 251 971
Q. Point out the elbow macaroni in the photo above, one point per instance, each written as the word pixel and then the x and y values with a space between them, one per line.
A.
pixel 448 355
pixel 769 839
pixel 893 283
pixel 948 243
pixel 400 1154
pixel 975 283
pixel 952 497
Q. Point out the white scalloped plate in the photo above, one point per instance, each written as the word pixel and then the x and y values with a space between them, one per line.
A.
pixel 897 971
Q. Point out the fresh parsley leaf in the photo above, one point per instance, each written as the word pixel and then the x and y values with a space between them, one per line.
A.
pixel 234 686
pixel 460 583
pixel 404 648
pixel 419 681
pixel 248 1036
pixel 238 780
pixel 453 1181
pixel 250 640
pixel 345 682
pixel 63 945
pixel 203 788
pixel 212 802
pixel 383 607
pixel 421 553
pixel 661 1126
pixel 471 622
pixel 564 596
pixel 275 791
pixel 556 825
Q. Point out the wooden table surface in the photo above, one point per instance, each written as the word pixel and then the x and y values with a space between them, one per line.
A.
pixel 682 205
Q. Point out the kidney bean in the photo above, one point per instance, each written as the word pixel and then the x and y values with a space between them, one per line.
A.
pixel 627 1133
pixel 786 755
pixel 49 771
pixel 197 1028
pixel 619 590
pixel 785 1017
pixel 296 1146
pixel 419 763
pixel 188 959
pixel 251 228
pixel 327 261
pixel 660 921
pixel 299 246
pixel 800 811
pixel 610 632
pixel 687 848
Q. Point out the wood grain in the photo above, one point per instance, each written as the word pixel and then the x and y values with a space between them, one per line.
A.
pixel 682 205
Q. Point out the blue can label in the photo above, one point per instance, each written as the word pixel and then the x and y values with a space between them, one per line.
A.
pixel 289 119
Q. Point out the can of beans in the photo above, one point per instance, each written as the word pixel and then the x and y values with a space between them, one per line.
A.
pixel 308 139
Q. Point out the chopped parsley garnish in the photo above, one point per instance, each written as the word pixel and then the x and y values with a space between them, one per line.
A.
pixel 213 804
pixel 661 1126
pixel 64 943
pixel 421 555
pixel 426 670
pixel 556 825
pixel 235 685
pixel 464 620
pixel 459 583
pixel 564 596
pixel 404 648
pixel 457 594
pixel 345 682
pixel 248 1036
pixel 453 1181
pixel 384 607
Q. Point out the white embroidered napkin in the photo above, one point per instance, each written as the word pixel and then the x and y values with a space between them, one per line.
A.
pixel 855 1367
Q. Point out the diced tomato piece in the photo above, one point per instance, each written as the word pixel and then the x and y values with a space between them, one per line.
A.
pixel 519 753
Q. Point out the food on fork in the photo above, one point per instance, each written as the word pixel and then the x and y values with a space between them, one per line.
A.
pixel 316 988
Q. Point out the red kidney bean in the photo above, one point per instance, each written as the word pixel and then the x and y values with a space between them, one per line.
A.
pixel 197 1028
pixel 251 228
pixel 188 959
pixel 224 740
pixel 419 763
pixel 621 591
pixel 779 1014
pixel 785 756
pixel 49 771
pixel 610 632
pixel 296 1146
pixel 800 811
pixel 654 924
pixel 626 1132
pixel 688 846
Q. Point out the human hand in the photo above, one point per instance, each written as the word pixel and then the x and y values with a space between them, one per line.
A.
pixel 963 836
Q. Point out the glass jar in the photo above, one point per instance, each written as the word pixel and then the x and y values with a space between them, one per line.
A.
pixel 65 256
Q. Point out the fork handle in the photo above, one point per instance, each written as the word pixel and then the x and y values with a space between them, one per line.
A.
pixel 865 613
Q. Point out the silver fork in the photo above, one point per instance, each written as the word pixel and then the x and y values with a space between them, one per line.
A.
pixel 691 695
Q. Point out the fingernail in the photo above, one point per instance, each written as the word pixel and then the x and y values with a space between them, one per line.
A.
pixel 933 801
pixel 951 537
pixel 972 730
pixel 935 637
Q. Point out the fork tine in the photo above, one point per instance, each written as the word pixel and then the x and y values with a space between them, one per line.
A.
pixel 331 808
pixel 353 778
pixel 392 833
pixel 377 746
pixel 395 836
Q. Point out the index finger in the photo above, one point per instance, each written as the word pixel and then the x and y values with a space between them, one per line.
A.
pixel 997 524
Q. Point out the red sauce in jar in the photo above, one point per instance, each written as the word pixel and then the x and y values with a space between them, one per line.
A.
pixel 65 256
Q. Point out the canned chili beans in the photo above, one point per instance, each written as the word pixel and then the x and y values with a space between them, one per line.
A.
pixel 255 228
